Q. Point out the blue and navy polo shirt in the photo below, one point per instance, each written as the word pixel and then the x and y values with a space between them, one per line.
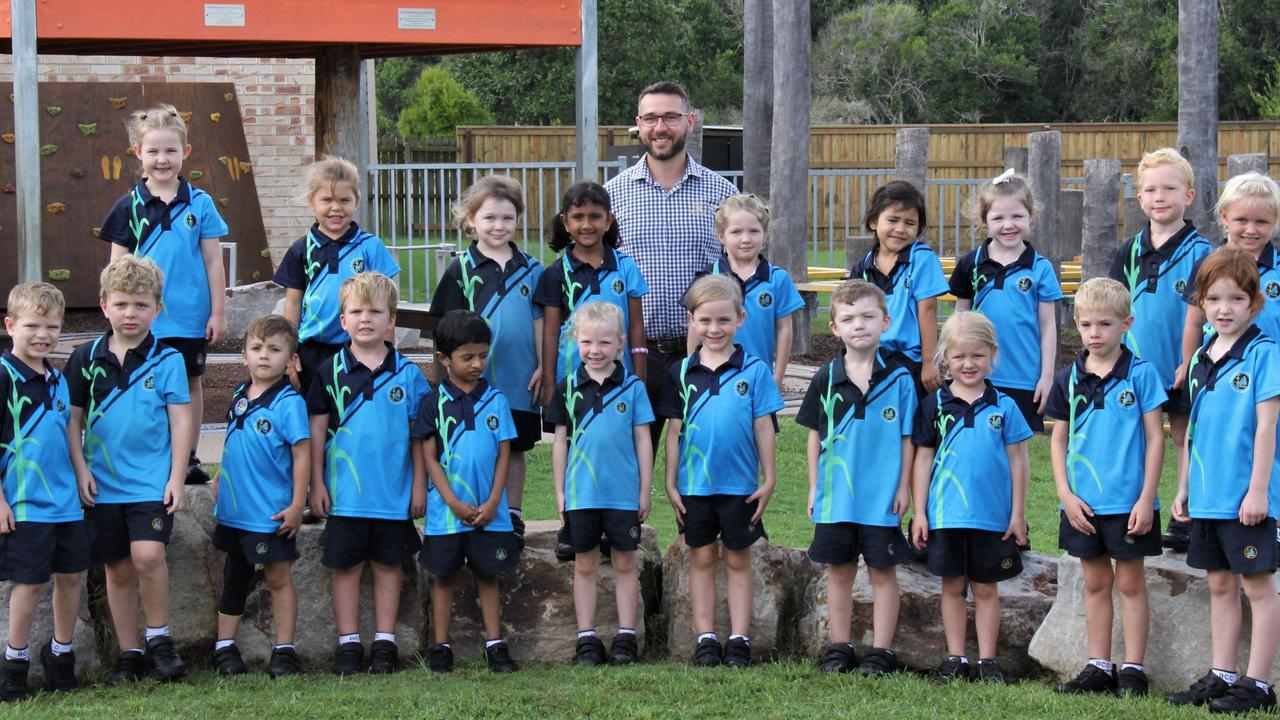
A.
pixel 504 297
pixel 717 409
pixel 368 468
pixel 255 480
pixel 1268 319
pixel 860 460
pixel 916 276
pixel 1156 278
pixel 1224 398
pixel 170 234
pixel 35 463
pixel 1010 295
pixel 570 283
pixel 126 415
pixel 469 428
pixel 970 485
pixel 602 470
pixel 1106 441
pixel 317 265
pixel 768 296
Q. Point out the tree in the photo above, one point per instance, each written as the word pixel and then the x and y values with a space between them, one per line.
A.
pixel 1269 99
pixel 393 83
pixel 871 59
pixel 437 104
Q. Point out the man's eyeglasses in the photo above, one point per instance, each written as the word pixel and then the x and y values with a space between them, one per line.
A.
pixel 668 119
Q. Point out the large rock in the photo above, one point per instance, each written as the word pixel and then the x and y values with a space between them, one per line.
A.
pixel 1178 644
pixel 538 620
pixel 87 658
pixel 920 642
pixel 782 576
pixel 248 302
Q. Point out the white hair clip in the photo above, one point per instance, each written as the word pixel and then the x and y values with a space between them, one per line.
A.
pixel 1003 177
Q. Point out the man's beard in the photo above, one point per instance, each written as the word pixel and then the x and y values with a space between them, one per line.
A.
pixel 677 147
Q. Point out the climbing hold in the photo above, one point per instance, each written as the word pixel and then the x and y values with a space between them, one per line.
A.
pixel 8 137
pixel 56 207
pixel 9 188
pixel 60 274
pixel 222 159
pixel 224 201
pixel 97 231
pixel 228 96
pixel 265 253
pixel 53 110
pixel 117 103
pixel 215 116
pixel 115 167
pixel 186 116
pixel 195 174
pixel 130 151
pixel 77 173
pixel 245 167
pixel 87 129
pixel 256 274
pixel 10 97
pixel 48 150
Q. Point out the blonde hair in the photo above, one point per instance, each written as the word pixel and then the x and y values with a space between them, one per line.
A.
pixel 1014 186
pixel 713 288
pixel 966 326
pixel 1250 187
pixel 328 172
pixel 499 187
pixel 851 291
pixel 370 287
pixel 40 297
pixel 268 326
pixel 1166 156
pixel 599 313
pixel 160 117
pixel 1103 294
pixel 745 202
pixel 131 275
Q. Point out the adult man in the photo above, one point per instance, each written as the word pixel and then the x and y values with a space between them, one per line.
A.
pixel 665 207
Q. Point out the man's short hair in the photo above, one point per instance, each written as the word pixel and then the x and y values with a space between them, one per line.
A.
pixel 373 288
pixel 851 291
pixel 40 297
pixel 1104 295
pixel 131 275
pixel 666 87
pixel 268 326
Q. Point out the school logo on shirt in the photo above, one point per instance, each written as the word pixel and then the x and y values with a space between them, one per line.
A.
pixel 621 407
pixel 1180 286
pixel 618 286
pixel 1127 398
pixel 190 221
pixel 263 426
pixel 500 553
pixel 261 548
pixel 357 265
pixel 62 407
pixel 491 422
pixel 149 383
pixel 241 405
pixel 1241 381
pixel 889 414
pixel 1272 289
pixel 396 394
pixel 741 388
pixel 1250 552
pixel 996 421
pixel 1024 284
pixel 765 299
pixel 524 291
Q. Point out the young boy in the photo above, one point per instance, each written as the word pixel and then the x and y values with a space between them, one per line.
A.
pixel 259 493
pixel 365 475
pixel 466 431
pixel 1155 266
pixel 856 409
pixel 42 529
pixel 1107 407
pixel 720 401
pixel 129 397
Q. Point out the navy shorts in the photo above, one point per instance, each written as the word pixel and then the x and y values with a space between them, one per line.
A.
pixel 113 526
pixel 842 543
pixel 486 553
pixel 351 541
pixel 724 517
pixel 194 351
pixel 1229 545
pixel 621 527
pixel 980 555
pixel 528 430
pixel 1111 538
pixel 256 548
pixel 310 354
pixel 34 551
pixel 1179 401
pixel 1026 402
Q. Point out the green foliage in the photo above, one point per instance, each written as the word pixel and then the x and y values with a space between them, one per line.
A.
pixel 437 104
pixel 1269 100
pixel 393 83
pixel 875 55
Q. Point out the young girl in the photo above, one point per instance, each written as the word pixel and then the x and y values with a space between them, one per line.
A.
pixel 314 268
pixel 969 491
pixel 602 462
pixel 495 278
pixel 1005 279
pixel 177 225
pixel 908 271
pixel 770 297
pixel 1228 488
pixel 590 268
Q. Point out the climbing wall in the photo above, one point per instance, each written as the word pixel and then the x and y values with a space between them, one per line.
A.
pixel 86 164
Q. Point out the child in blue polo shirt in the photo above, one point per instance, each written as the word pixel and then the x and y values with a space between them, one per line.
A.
pixel 602 463
pixel 969 491
pixel 177 225
pixel 1008 281
pixel 318 263
pixel 908 271
pixel 857 408
pixel 720 401
pixel 495 278
pixel 42 528
pixel 129 397
pixel 465 429
pixel 769 295
pixel 1230 488
pixel 366 476
pixel 259 493
pixel 1107 410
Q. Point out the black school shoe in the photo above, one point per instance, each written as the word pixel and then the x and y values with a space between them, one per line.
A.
pixel 348 659
pixel 624 649
pixel 1177 536
pixel 228 661
pixel 1132 682
pixel 384 657
pixel 708 653
pixel 990 671
pixel 879 662
pixel 737 653
pixel 499 657
pixel 13 680
pixel 1208 688
pixel 59 670
pixel 1244 696
pixel 517 527
pixel 195 472
pixel 564 551
pixel 589 650
pixel 952 669
pixel 130 667
pixel 162 659
pixel 284 662
pixel 1092 679
pixel 440 658
pixel 839 657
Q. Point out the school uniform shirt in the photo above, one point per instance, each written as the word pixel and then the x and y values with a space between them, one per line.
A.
pixel 127 442
pixel 1107 443
pixel 718 408
pixel 970 484
pixel 860 460
pixel 170 234
pixel 1224 396
pixel 602 470
pixel 255 480
pixel 570 283
pixel 504 297
pixel 317 265
pixel 469 428
pixel 1010 296
pixel 35 465
pixel 916 276
pixel 1156 278
pixel 767 296
pixel 1268 319
pixel 366 446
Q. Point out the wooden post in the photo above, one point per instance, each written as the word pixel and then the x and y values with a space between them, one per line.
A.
pixel 1101 216
pixel 1071 210
pixel 586 97
pixel 1016 158
pixel 1135 220
pixel 1198 101
pixel 789 172
pixel 26 128
pixel 911 156
pixel 757 95
pixel 1246 162
pixel 337 117
pixel 1044 168
pixel 693 144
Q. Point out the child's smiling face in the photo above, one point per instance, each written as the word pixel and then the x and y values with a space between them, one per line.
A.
pixel 897 227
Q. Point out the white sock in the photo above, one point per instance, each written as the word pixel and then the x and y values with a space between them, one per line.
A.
pixel 389 637
pixel 13 653
pixel 516 512
pixel 490 643
pixel 963 660
pixel 1226 676
pixel 58 648
pixel 286 646
pixel 352 638
pixel 708 636
pixel 223 644
pixel 626 631
pixel 446 645
pixel 1105 666
pixel 743 638
pixel 162 631
pixel 587 633
pixel 132 650
pixel 1134 666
